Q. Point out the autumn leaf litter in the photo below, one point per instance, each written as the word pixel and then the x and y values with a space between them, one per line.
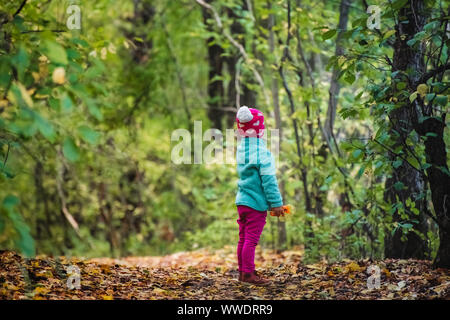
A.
pixel 208 274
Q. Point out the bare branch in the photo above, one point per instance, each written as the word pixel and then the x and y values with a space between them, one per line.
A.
pixel 16 13
pixel 62 198
pixel 24 2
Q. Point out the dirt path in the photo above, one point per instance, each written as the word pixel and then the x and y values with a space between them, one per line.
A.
pixel 212 275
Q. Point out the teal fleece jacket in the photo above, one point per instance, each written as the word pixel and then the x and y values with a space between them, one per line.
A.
pixel 257 185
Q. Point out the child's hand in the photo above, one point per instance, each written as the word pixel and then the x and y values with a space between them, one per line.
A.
pixel 278 211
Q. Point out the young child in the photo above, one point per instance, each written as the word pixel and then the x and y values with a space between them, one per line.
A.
pixel 257 190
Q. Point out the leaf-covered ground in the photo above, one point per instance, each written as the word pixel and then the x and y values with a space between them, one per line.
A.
pixel 207 274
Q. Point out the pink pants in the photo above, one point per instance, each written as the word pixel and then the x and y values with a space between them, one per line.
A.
pixel 251 224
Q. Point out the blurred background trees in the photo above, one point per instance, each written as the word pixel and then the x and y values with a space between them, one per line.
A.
pixel 87 116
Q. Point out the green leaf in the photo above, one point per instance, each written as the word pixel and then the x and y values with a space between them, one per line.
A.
pixel 356 153
pixel 21 62
pixel 350 77
pixel 413 161
pixel 94 110
pixel 397 163
pixel 66 103
pixel 422 89
pixel 10 202
pixel 19 95
pixel 45 127
pixel 441 100
pixel 388 34
pixel 329 34
pixel 398 4
pixel 425 166
pixel 429 96
pixel 411 42
pixel 413 96
pixel 70 150
pixel 56 52
pixel 398 185
pixel 401 85
pixel 430 26
pixel 54 103
pixel 406 225
pixel 24 242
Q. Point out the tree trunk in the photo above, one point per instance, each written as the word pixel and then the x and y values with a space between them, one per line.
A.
pixel 281 225
pixel 439 184
pixel 215 83
pixel 143 15
pixel 247 96
pixel 435 150
pixel 334 84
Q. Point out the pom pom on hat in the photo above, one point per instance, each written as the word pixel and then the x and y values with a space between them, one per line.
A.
pixel 244 115
pixel 250 122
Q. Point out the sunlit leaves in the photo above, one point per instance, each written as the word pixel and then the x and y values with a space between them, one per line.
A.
pixel 413 96
pixel 55 52
pixel 388 34
pixel 422 89
pixel 59 75
pixel 20 96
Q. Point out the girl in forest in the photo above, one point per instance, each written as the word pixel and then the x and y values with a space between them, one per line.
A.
pixel 257 190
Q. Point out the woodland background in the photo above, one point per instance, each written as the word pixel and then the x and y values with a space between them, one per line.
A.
pixel 86 118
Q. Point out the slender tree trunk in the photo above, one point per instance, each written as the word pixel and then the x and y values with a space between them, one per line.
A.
pixel 302 168
pixel 281 225
pixel 397 245
pixel 42 197
pixel 215 83
pixel 334 84
pixel 247 96
pixel 143 15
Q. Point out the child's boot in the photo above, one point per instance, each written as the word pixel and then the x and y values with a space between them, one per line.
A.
pixel 254 278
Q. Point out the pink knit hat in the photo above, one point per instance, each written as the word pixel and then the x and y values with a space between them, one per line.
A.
pixel 250 122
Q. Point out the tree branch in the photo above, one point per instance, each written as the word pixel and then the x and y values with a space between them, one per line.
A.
pixel 62 198
pixel 424 78
pixel 24 2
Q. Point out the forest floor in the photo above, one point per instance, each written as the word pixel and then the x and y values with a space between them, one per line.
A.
pixel 205 274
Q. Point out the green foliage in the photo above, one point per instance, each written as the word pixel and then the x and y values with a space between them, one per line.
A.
pixel 87 115
pixel 13 228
